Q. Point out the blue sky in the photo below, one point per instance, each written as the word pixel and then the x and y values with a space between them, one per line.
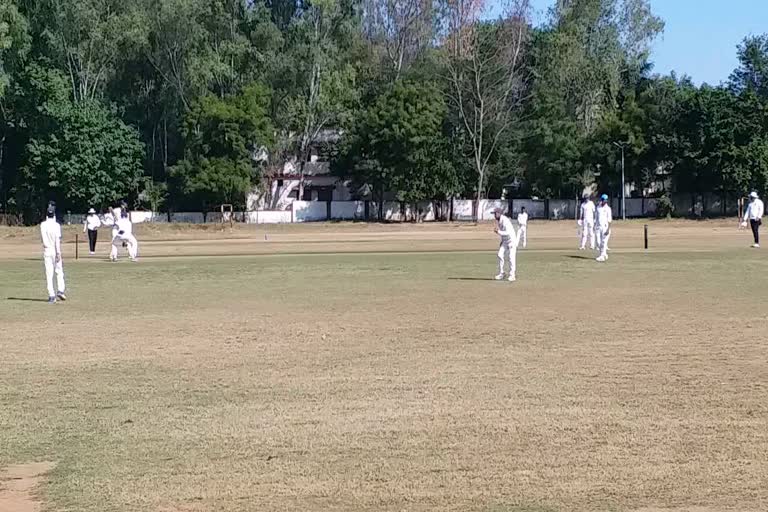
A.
pixel 700 36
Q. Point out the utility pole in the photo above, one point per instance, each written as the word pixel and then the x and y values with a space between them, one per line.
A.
pixel 622 145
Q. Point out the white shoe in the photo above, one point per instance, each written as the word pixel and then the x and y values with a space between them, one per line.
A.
pixel 601 259
pixel 511 279
pixel 91 253
pixel 756 246
pixel 499 277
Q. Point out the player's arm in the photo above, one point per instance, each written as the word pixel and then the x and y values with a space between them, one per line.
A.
pixel 58 244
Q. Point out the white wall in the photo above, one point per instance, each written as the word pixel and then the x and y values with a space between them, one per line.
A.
pixel 488 205
pixel 536 209
pixel 348 210
pixel 269 217
pixel 189 217
pixel 462 209
pixel 308 211
pixel 560 209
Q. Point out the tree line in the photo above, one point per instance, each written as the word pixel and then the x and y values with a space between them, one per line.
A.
pixel 188 104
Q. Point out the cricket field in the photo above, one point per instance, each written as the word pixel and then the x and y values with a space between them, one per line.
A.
pixel 354 367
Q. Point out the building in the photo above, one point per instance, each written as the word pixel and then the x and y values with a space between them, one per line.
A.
pixel 319 183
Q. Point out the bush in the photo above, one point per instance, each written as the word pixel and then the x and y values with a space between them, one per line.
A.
pixel 665 207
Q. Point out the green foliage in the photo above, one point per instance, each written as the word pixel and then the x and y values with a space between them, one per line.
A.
pixel 154 101
pixel 403 145
pixel 221 136
pixel 83 155
pixel 665 207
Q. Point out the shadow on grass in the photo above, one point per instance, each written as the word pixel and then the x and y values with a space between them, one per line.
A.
pixel 26 299
pixel 578 257
pixel 471 279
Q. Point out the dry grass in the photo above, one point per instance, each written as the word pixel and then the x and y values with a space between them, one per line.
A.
pixel 405 381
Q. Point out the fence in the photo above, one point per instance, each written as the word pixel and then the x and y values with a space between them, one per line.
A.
pixel 456 210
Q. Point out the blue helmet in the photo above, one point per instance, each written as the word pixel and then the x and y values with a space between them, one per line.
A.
pixel 604 197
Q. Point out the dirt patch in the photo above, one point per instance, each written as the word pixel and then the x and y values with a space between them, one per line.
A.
pixel 18 484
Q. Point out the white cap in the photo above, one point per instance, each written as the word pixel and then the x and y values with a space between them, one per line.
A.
pixel 91 211
pixel 754 195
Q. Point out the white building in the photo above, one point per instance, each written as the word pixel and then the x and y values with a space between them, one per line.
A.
pixel 319 183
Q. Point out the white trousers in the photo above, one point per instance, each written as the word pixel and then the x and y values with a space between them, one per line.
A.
pixel 603 235
pixel 53 267
pixel 131 242
pixel 522 236
pixel 508 250
pixel 588 235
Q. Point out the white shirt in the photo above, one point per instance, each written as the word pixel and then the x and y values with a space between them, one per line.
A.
pixel 522 219
pixel 604 216
pixel 125 226
pixel 755 210
pixel 506 229
pixel 92 222
pixel 50 232
pixel 588 212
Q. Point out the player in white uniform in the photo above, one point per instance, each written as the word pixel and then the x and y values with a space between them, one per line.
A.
pixel 587 223
pixel 754 214
pixel 507 244
pixel 50 233
pixel 603 220
pixel 522 223
pixel 124 236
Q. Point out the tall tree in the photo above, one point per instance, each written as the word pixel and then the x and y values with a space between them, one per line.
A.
pixel 401 28
pixel 324 85
pixel 487 79
pixel 752 73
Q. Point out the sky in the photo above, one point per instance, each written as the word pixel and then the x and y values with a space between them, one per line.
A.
pixel 700 36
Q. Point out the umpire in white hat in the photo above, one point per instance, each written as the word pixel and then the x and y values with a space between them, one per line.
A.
pixel 754 215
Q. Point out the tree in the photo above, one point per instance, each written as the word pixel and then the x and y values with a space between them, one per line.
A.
pixel 404 134
pixel 486 76
pixel 323 91
pixel 221 136
pixel 752 73
pixel 86 38
pixel 82 155
pixel 401 28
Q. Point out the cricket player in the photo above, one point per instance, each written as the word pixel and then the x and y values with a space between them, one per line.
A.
pixel 508 244
pixel 124 237
pixel 754 214
pixel 522 223
pixel 587 223
pixel 50 233
pixel 91 225
pixel 603 220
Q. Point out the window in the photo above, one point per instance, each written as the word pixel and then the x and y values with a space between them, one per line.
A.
pixel 279 183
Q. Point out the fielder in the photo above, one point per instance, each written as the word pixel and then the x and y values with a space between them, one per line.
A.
pixel 522 223
pixel 603 220
pixel 587 223
pixel 123 236
pixel 50 233
pixel 507 244
pixel 754 214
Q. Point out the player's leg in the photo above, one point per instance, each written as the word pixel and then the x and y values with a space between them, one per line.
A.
pixel 133 247
pixel 49 262
pixel 500 256
pixel 600 236
pixel 583 237
pixel 60 285
pixel 113 251
pixel 755 225
pixel 524 230
pixel 512 261
pixel 591 235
